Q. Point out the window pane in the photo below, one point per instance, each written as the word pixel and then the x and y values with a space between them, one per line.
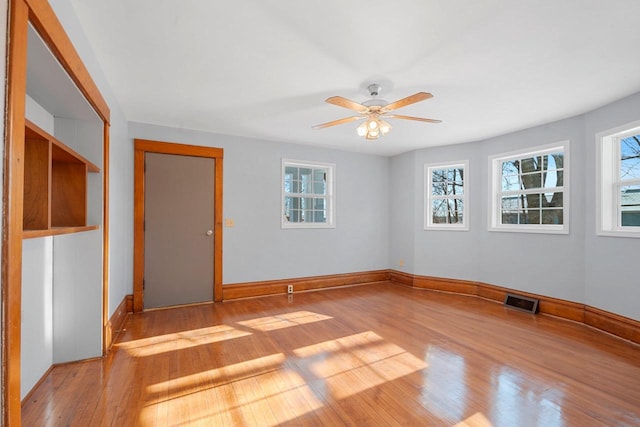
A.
pixel 531 164
pixel 305 181
pixel 630 157
pixel 530 200
pixel 455 211
pixel 554 161
pixel 438 175
pixel 319 187
pixel 293 171
pixel 510 183
pixel 552 216
pixel 319 174
pixel 319 216
pixel 552 200
pixel 553 178
pixel 532 180
pixel 510 167
pixel 439 189
pixel 447 211
pixel 530 216
pixel 509 217
pixel 455 188
pixel 288 183
pixel 509 203
pixel 630 206
pixel 439 211
pixel 291 209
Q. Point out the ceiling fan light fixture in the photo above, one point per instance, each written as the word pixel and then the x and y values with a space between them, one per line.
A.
pixel 373 111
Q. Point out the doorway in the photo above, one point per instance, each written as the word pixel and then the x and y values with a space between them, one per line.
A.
pixel 177 224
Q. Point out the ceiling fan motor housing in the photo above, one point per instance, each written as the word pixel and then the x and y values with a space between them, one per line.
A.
pixel 374 89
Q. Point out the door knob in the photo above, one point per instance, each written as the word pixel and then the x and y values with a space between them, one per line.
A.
pixel 209 232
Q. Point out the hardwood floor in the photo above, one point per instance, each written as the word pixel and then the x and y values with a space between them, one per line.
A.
pixel 365 355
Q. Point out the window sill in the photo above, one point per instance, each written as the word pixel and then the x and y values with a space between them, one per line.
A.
pixel 554 230
pixel 445 228
pixel 612 233
pixel 305 226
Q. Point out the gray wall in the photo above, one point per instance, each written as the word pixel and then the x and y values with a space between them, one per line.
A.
pixel 611 263
pixel 256 248
pixel 595 270
pixel 402 201
pixel 121 162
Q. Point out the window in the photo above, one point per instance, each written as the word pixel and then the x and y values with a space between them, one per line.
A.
pixel 619 181
pixel 446 188
pixel 307 194
pixel 530 190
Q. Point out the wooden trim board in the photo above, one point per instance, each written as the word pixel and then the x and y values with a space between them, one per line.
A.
pixel 614 324
pixel 276 287
pixel 117 320
pixel 620 326
pixel 45 22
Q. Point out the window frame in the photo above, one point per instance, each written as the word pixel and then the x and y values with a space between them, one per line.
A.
pixel 495 190
pixel 428 223
pixel 329 196
pixel 608 202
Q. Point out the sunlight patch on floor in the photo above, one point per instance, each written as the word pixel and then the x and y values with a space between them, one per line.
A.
pixel 359 362
pixel 180 340
pixel 278 395
pixel 339 344
pixel 188 384
pixel 476 420
pixel 285 320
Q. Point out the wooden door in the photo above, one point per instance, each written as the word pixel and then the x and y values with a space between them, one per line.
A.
pixel 179 230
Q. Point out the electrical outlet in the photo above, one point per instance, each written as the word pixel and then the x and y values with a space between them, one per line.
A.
pixel 401 263
pixel 290 289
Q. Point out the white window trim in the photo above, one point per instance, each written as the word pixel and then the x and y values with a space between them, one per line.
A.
pixel 607 155
pixel 495 175
pixel 428 214
pixel 330 196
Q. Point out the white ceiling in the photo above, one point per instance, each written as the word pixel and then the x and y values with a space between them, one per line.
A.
pixel 263 68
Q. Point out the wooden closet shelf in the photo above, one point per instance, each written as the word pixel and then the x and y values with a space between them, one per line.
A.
pixel 30 234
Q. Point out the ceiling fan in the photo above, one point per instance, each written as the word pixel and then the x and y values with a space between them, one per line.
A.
pixel 374 111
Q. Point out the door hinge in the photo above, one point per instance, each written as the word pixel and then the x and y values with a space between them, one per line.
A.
pixel 143 284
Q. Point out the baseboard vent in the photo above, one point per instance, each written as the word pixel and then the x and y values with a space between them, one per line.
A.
pixel 519 302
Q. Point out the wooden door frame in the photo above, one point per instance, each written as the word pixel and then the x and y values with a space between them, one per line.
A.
pixel 42 17
pixel 141 147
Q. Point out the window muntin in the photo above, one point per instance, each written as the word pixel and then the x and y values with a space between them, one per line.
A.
pixel 619 186
pixel 445 202
pixel 627 186
pixel 307 194
pixel 529 190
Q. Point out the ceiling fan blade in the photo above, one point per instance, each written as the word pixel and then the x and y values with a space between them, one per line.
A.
pixel 347 103
pixel 411 99
pixel 337 122
pixel 419 119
